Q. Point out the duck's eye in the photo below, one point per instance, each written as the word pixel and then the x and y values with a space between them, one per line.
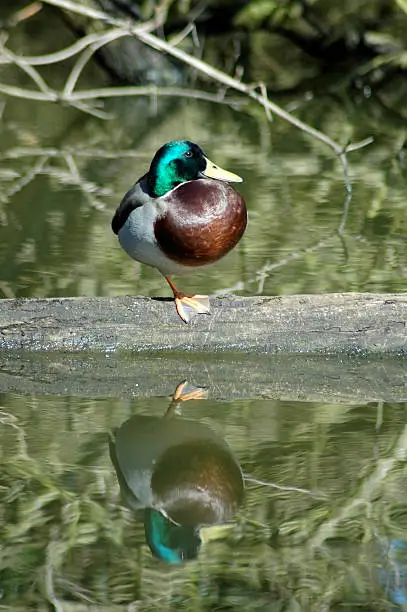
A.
pixel 188 154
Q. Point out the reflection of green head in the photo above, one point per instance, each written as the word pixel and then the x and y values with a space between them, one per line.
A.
pixel 195 483
pixel 168 541
pixel 182 474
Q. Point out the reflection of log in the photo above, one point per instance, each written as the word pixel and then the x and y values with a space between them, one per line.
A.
pixel 355 324
pixel 229 376
pixel 240 331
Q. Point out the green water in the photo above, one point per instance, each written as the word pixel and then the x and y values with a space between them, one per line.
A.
pixel 56 238
pixel 63 173
pixel 334 538
pixel 67 540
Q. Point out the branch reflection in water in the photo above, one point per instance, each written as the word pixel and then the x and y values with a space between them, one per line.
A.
pixel 180 473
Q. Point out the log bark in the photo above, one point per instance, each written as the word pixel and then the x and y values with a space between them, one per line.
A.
pixel 352 324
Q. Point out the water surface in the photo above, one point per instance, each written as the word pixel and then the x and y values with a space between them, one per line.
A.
pixel 60 186
pixel 339 540
pixel 335 536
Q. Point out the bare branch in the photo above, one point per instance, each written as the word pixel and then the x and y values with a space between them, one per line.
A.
pixel 152 90
pixel 359 145
pixel 64 54
pixel 115 92
pixel 86 56
pixel 27 68
pixel 25 13
pixel 81 9
pixel 143 33
pixel 28 94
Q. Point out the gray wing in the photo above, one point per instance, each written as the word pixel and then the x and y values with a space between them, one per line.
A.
pixel 135 197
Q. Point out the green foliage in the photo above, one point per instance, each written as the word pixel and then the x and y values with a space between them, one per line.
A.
pixel 260 12
pixel 402 4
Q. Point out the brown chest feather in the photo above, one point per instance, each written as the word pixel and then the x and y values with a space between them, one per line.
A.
pixel 205 219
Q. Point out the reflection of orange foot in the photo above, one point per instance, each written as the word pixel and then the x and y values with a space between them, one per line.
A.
pixel 189 305
pixel 183 393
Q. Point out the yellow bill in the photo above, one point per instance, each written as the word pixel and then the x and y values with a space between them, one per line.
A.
pixel 215 532
pixel 213 171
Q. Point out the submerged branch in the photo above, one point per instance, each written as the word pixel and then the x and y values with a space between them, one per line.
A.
pixel 363 496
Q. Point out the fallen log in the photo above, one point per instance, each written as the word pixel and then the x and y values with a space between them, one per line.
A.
pixel 343 323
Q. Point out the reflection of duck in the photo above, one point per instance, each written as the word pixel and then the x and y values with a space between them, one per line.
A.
pixel 176 218
pixel 182 473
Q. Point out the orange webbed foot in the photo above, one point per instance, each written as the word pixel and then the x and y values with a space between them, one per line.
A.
pixel 188 306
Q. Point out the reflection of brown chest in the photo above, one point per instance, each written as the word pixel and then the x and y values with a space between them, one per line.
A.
pixel 205 219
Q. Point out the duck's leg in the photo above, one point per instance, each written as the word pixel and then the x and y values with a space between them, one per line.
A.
pixel 189 305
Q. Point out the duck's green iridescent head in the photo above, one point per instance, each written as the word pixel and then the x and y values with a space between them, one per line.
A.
pixel 180 161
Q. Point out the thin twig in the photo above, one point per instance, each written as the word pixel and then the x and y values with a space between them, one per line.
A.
pixel 283 488
pixel 25 13
pixel 86 56
pixel 29 70
pixel 28 94
pixel 64 54
pixel 115 92
pixel 359 145
pixel 90 110
pixel 85 11
pixel 176 40
pixel 150 90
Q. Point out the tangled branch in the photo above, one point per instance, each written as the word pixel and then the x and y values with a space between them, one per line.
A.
pixel 86 47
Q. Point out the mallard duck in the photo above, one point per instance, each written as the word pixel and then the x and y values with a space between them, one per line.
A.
pixel 181 473
pixel 180 215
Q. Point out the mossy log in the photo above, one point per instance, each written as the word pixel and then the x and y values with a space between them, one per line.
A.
pixel 349 323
